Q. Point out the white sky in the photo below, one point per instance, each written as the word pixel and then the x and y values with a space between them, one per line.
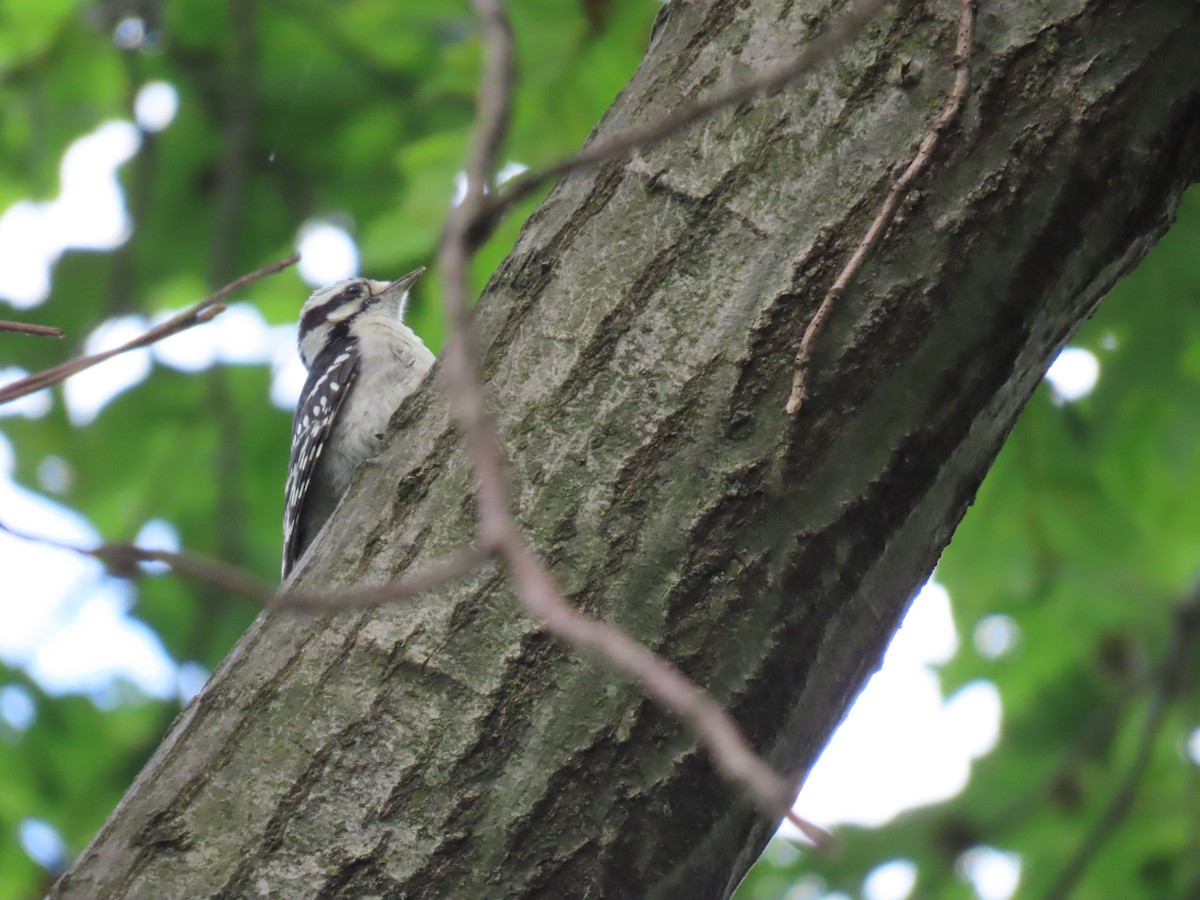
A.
pixel 68 625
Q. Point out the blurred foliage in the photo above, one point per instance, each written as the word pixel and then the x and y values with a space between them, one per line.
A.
pixel 1085 533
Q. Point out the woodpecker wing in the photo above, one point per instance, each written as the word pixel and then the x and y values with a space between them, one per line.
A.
pixel 330 379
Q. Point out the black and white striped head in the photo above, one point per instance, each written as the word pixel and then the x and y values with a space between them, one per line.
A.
pixel 329 312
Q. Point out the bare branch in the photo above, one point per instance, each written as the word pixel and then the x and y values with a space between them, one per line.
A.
pixel 238 104
pixel 208 308
pixel 461 564
pixel 26 328
pixel 844 30
pixel 460 365
pixel 897 193
pixel 123 561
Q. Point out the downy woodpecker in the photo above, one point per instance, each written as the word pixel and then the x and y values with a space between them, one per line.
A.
pixel 362 360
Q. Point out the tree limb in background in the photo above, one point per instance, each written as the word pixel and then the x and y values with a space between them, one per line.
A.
pixel 208 308
pixel 236 118
pixel 26 328
pixel 897 193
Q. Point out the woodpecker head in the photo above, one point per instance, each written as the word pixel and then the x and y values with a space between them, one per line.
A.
pixel 331 310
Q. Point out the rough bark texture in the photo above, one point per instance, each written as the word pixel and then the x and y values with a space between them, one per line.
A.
pixel 638 350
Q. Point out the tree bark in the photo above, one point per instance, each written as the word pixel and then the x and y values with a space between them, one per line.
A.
pixel 638 348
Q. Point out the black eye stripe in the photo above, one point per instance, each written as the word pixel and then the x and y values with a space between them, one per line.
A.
pixel 313 318
pixel 318 314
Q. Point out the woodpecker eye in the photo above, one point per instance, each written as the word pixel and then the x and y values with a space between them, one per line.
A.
pixel 353 291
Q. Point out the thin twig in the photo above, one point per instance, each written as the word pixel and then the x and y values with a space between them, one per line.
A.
pixel 534 584
pixel 1175 663
pixel 464 562
pixel 123 561
pixel 887 212
pixel 205 310
pixel 844 30
pixel 460 366
pixel 26 328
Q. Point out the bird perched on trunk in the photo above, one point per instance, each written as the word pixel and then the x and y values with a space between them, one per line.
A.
pixel 362 360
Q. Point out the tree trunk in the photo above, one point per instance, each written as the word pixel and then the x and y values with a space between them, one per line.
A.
pixel 638 350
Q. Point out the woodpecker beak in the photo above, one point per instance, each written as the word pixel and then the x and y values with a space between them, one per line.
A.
pixel 400 286
pixel 395 294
